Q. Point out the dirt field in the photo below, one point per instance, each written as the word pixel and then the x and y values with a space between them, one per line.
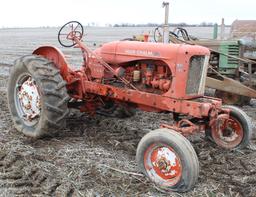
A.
pixel 92 156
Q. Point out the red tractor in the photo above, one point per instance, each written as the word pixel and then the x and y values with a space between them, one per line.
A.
pixel 153 77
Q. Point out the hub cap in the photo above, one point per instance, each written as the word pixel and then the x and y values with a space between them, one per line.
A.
pixel 163 165
pixel 27 100
pixel 230 133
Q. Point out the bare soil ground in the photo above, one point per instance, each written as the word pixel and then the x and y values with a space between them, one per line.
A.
pixel 95 156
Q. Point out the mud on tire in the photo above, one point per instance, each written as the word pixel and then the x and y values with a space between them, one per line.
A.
pixel 52 92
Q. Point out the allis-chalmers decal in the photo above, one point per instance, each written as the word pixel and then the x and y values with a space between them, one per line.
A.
pixel 142 52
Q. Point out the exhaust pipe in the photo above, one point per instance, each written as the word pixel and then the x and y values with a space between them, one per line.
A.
pixel 166 25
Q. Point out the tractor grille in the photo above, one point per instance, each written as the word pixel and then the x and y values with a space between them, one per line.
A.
pixel 234 51
pixel 196 75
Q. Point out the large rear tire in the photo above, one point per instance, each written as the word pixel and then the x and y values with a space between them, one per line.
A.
pixel 37 97
pixel 168 159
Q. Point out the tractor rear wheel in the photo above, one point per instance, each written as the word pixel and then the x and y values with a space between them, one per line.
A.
pixel 168 159
pixel 236 132
pixel 37 97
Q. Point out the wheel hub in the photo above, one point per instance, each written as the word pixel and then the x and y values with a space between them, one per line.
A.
pixel 29 99
pixel 163 165
pixel 229 133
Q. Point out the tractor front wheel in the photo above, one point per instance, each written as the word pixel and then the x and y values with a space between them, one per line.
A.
pixel 168 159
pixel 235 132
pixel 37 97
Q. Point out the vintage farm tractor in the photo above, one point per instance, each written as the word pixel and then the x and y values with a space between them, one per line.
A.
pixel 154 77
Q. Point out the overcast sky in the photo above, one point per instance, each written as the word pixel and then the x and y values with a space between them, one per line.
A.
pixel 33 13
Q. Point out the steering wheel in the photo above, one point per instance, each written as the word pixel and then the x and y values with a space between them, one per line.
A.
pixel 69 32
pixel 183 32
pixel 158 35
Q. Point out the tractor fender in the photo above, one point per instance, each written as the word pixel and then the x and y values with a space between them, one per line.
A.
pixel 57 57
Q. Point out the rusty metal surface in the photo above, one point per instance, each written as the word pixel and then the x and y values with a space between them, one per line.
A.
pixel 163 164
pixel 28 100
pixel 231 86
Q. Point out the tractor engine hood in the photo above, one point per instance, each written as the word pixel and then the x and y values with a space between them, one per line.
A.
pixel 119 52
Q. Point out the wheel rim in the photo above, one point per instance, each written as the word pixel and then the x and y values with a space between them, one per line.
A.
pixel 163 165
pixel 27 100
pixel 230 134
